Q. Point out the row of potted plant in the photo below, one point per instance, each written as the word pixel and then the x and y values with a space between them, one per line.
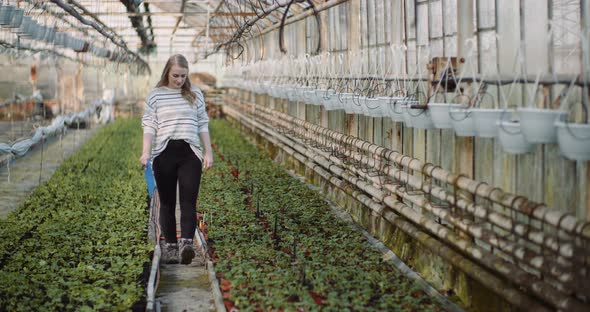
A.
pixel 277 246
pixel 27 26
pixel 79 241
pixel 518 130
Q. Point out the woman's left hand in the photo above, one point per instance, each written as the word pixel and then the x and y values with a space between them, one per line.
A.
pixel 208 160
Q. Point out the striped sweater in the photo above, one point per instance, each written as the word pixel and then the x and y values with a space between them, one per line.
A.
pixel 169 116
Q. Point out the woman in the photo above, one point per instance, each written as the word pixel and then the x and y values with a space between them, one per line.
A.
pixel 174 120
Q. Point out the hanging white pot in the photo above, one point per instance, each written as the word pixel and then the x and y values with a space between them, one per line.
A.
pixel 333 103
pixel 372 107
pixel 538 124
pixel 68 40
pixel 41 32
pixel 386 103
pixel 337 101
pixel 292 94
pixel 25 26
pixel 274 90
pixel 251 86
pixel 462 120
pixel 282 94
pixel 265 87
pixel 6 14
pixel 347 102
pixel 420 117
pixel 301 96
pixel 320 95
pixel 17 18
pixel 439 113
pixel 573 140
pixel 289 91
pixel 362 102
pixel 73 43
pixel 309 96
pixel 59 39
pixel 403 106
pixel 485 120
pixel 511 138
pixel 328 99
pixel 357 106
pixel 260 88
pixel 394 110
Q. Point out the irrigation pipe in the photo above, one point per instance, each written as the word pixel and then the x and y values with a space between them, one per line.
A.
pixel 21 147
pixel 564 249
pixel 510 271
pixel 558 219
pixel 559 297
pixel 510 293
pixel 534 259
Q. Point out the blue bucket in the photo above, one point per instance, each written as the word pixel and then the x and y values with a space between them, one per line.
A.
pixel 149 178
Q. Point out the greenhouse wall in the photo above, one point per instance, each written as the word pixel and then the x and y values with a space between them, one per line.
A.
pixel 401 41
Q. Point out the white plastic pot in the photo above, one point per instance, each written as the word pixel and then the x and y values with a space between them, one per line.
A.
pixel 41 32
pixel 335 101
pixel 538 125
pixel 573 140
pixel 292 94
pixel 329 103
pixel 463 122
pixel 415 117
pixel 403 107
pixel 274 90
pixel 310 97
pixel 439 113
pixel 511 138
pixel 420 117
pixel 328 99
pixel 357 106
pixel 17 18
pixel 394 109
pixel 370 106
pixel 321 96
pixel 287 92
pixel 301 95
pixel 383 105
pixel 347 102
pixel 6 14
pixel 25 27
pixel 486 121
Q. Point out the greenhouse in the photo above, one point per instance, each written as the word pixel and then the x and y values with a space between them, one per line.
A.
pixel 295 155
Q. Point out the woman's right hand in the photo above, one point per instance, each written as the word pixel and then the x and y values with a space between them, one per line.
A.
pixel 144 159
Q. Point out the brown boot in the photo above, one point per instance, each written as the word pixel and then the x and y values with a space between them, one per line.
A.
pixel 187 251
pixel 169 253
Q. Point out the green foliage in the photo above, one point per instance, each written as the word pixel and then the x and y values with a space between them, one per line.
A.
pixel 335 269
pixel 79 241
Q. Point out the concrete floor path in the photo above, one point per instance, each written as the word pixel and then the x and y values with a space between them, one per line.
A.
pixel 185 288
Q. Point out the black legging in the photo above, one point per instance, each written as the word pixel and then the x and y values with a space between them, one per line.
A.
pixel 178 163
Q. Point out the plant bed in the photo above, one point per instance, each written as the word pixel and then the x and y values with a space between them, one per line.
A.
pixel 79 241
pixel 277 245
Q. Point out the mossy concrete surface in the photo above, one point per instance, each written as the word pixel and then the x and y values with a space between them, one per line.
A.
pixel 184 288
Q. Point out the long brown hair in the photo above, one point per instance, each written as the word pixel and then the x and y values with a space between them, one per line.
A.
pixel 180 61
